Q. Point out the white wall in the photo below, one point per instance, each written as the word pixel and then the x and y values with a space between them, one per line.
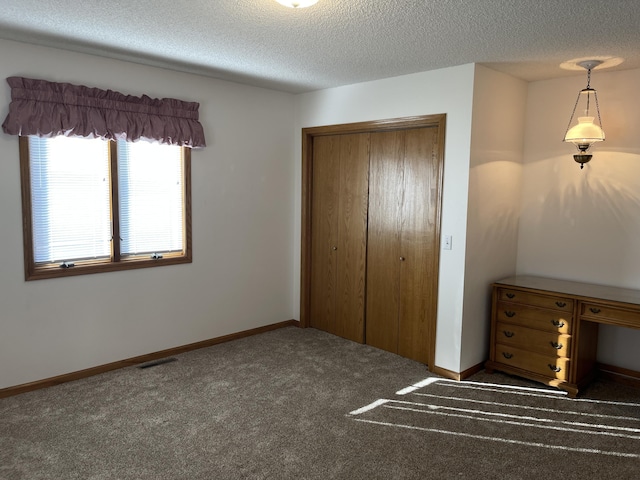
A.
pixel 577 224
pixel 495 183
pixel 574 224
pixel 447 91
pixel 243 210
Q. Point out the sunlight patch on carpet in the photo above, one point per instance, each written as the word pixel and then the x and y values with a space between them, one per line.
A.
pixel 371 406
pixel 533 417
pixel 504 440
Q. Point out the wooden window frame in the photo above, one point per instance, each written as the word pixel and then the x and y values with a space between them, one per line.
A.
pixel 34 271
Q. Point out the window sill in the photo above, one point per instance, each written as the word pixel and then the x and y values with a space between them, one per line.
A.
pixel 41 272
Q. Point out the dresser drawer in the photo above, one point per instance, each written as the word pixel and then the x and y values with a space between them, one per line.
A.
pixel 618 316
pixel 557 344
pixel 539 319
pixel 534 299
pixel 552 367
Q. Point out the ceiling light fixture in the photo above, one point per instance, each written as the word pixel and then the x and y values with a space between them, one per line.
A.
pixel 585 133
pixel 297 3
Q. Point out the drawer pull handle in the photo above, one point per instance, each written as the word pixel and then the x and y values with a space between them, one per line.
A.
pixel 507 355
pixel 511 295
pixel 509 314
pixel 557 323
pixel 508 334
pixel 561 304
pixel 555 368
pixel 556 345
pixel 594 310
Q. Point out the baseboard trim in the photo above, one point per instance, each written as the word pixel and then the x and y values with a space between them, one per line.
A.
pixel 70 377
pixel 457 375
pixel 619 375
pixel 443 372
pixel 470 371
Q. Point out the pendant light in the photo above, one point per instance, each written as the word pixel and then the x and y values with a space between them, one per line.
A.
pixel 586 132
pixel 297 3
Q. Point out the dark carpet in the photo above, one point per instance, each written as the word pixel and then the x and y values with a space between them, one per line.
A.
pixel 302 404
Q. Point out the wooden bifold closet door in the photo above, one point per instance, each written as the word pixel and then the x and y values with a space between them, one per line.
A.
pixel 402 242
pixel 339 226
pixel 371 229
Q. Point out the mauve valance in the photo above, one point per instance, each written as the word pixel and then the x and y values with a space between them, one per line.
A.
pixel 48 109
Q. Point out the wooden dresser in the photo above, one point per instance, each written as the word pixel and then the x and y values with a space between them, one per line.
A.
pixel 547 329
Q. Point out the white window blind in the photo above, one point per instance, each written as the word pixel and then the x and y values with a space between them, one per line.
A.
pixel 150 197
pixel 70 199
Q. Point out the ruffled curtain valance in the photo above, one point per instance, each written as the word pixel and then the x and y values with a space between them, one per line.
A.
pixel 49 109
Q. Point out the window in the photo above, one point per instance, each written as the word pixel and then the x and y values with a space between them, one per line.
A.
pixel 93 205
pixel 91 200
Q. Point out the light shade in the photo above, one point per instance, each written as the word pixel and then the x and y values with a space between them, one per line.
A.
pixel 297 3
pixel 584 133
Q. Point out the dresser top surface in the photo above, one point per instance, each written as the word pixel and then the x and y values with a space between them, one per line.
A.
pixel 577 289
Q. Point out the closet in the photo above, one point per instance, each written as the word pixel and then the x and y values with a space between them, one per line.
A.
pixel 371 229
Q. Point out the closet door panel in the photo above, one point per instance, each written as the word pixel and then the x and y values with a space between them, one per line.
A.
pixel 371 213
pixel 383 261
pixel 352 235
pixel 324 227
pixel 418 244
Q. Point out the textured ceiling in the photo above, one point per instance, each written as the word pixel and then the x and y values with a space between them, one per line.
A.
pixel 335 42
